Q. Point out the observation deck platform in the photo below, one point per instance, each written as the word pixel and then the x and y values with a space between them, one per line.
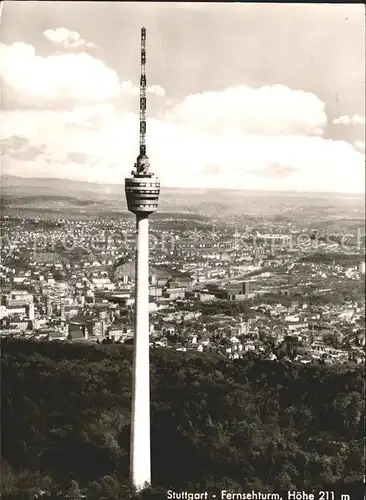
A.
pixel 142 193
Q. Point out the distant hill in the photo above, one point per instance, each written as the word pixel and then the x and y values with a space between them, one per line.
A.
pixel 9 182
pixel 79 197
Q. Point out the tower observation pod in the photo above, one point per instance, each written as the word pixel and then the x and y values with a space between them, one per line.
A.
pixel 142 190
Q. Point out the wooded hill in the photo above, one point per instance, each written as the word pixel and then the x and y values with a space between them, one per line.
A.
pixel 215 424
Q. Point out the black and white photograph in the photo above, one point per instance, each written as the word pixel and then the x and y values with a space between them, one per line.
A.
pixel 182 260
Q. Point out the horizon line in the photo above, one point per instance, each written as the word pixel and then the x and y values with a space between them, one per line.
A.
pixel 355 193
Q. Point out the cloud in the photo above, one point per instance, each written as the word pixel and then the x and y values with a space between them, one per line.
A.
pixel 350 120
pixel 72 149
pixel 270 109
pixel 180 154
pixel 360 145
pixel 274 171
pixel 157 90
pixel 244 161
pixel 210 170
pixel 267 138
pixel 15 142
pixel 92 116
pixel 66 38
pixel 43 81
pixel 128 87
pixel 20 148
pixel 68 76
pixel 81 158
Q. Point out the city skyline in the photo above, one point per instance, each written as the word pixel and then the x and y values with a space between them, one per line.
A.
pixel 245 96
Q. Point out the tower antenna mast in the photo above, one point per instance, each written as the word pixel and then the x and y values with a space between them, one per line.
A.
pixel 143 94
pixel 142 164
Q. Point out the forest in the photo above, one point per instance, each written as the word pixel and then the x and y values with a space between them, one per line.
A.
pixel 243 425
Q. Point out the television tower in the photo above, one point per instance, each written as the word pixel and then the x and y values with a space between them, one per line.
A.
pixel 142 194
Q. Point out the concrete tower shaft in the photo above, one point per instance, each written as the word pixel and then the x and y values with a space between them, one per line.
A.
pixel 140 452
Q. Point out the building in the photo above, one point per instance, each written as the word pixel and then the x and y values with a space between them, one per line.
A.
pixel 49 307
pixel 3 312
pixel 18 298
pixel 237 296
pixel 174 293
pixel 361 268
pixel 31 311
pixel 245 288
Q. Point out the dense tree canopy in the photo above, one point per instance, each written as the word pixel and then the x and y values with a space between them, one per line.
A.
pixel 247 425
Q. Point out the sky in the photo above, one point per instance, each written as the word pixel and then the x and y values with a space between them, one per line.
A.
pixel 240 95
